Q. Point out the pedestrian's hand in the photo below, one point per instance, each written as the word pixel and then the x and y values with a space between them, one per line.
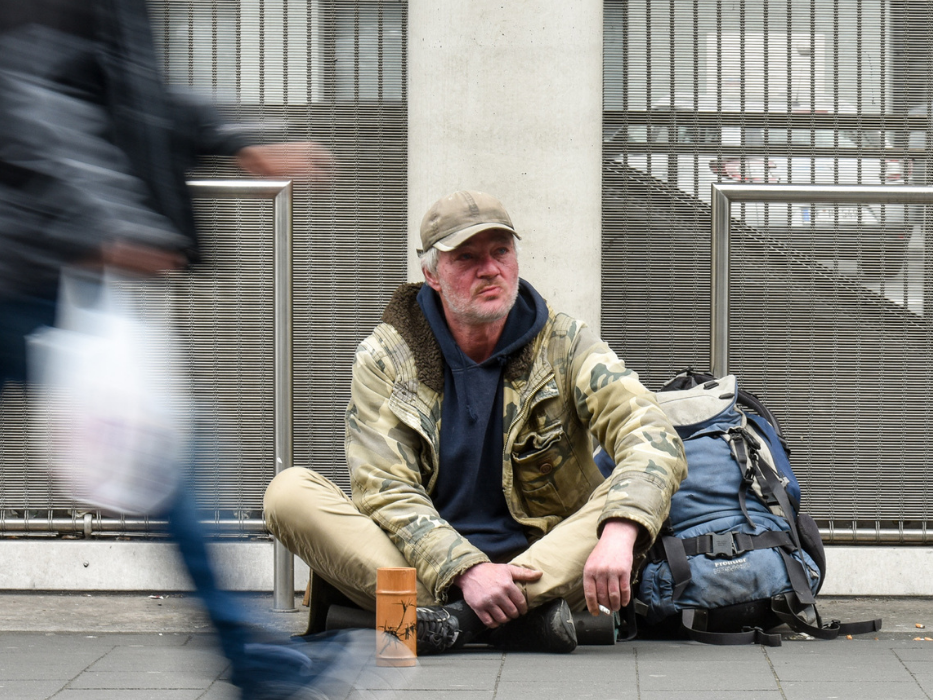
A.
pixel 491 591
pixel 139 259
pixel 607 574
pixel 301 160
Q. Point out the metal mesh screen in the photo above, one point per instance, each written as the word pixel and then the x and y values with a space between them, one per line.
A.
pixel 298 70
pixel 829 304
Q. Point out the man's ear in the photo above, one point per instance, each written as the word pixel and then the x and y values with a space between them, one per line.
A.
pixel 432 280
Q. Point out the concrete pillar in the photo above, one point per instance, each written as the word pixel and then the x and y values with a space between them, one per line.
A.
pixel 506 97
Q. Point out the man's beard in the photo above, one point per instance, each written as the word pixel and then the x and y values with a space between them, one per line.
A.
pixel 465 311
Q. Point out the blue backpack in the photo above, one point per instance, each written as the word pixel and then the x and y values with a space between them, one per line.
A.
pixel 736 557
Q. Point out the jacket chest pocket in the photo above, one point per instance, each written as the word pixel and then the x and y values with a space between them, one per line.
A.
pixel 544 472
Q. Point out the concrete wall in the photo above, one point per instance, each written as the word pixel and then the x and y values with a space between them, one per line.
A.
pixel 506 97
pixel 69 565
pixel 247 566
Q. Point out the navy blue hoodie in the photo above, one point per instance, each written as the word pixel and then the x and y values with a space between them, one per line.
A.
pixel 468 492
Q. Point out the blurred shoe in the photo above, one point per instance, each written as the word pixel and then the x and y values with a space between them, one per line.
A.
pixel 326 666
pixel 547 629
pixel 275 672
pixel 282 691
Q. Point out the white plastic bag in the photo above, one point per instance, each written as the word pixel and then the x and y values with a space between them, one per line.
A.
pixel 108 380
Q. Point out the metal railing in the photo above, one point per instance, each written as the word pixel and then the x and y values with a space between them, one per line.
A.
pixel 723 196
pixel 90 524
pixel 280 192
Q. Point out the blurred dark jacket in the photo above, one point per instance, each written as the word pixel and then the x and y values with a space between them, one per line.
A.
pixel 93 147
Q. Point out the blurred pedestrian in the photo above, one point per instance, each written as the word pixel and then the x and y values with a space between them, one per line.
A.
pixel 93 153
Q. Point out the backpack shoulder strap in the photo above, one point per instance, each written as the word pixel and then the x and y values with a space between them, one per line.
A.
pixel 676 555
pixel 748 399
pixel 745 449
pixel 739 440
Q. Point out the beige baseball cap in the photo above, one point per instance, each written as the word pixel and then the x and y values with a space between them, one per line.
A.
pixel 453 219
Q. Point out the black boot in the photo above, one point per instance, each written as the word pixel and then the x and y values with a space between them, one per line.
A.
pixel 548 629
pixel 443 627
pixel 323 596
pixel 438 630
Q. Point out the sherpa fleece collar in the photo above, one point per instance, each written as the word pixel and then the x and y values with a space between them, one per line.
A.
pixel 405 315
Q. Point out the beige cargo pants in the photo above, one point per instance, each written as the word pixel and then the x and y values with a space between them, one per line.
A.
pixel 314 519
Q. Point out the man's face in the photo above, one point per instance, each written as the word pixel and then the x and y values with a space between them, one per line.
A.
pixel 478 281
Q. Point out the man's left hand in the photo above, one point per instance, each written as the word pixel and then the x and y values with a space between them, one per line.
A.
pixel 607 574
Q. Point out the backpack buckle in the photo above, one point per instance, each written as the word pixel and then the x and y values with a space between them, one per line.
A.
pixel 721 546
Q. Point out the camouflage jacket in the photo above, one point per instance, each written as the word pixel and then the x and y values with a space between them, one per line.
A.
pixel 561 389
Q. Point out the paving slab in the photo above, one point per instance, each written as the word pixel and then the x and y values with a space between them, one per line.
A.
pixel 884 666
pixel 711 695
pixel 440 674
pixel 916 652
pixel 126 693
pixel 49 640
pixel 220 691
pixel 726 678
pixel 165 679
pixel 926 683
pixel 859 690
pixel 421 695
pixel 29 690
pixel 40 665
pixel 687 666
pixel 561 690
pixel 153 659
pixel 599 665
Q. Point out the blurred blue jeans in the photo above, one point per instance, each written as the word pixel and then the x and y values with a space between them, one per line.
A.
pixel 256 667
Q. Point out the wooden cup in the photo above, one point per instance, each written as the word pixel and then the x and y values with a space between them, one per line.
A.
pixel 396 617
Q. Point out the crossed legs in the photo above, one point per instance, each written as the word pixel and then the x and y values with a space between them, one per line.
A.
pixel 314 519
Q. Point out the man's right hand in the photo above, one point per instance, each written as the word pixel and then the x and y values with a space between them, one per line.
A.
pixel 491 591
pixel 139 259
pixel 293 159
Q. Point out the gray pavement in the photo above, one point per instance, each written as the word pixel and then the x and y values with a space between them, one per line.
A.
pixel 136 647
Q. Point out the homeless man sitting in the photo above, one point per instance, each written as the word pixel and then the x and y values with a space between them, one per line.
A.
pixel 469 438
